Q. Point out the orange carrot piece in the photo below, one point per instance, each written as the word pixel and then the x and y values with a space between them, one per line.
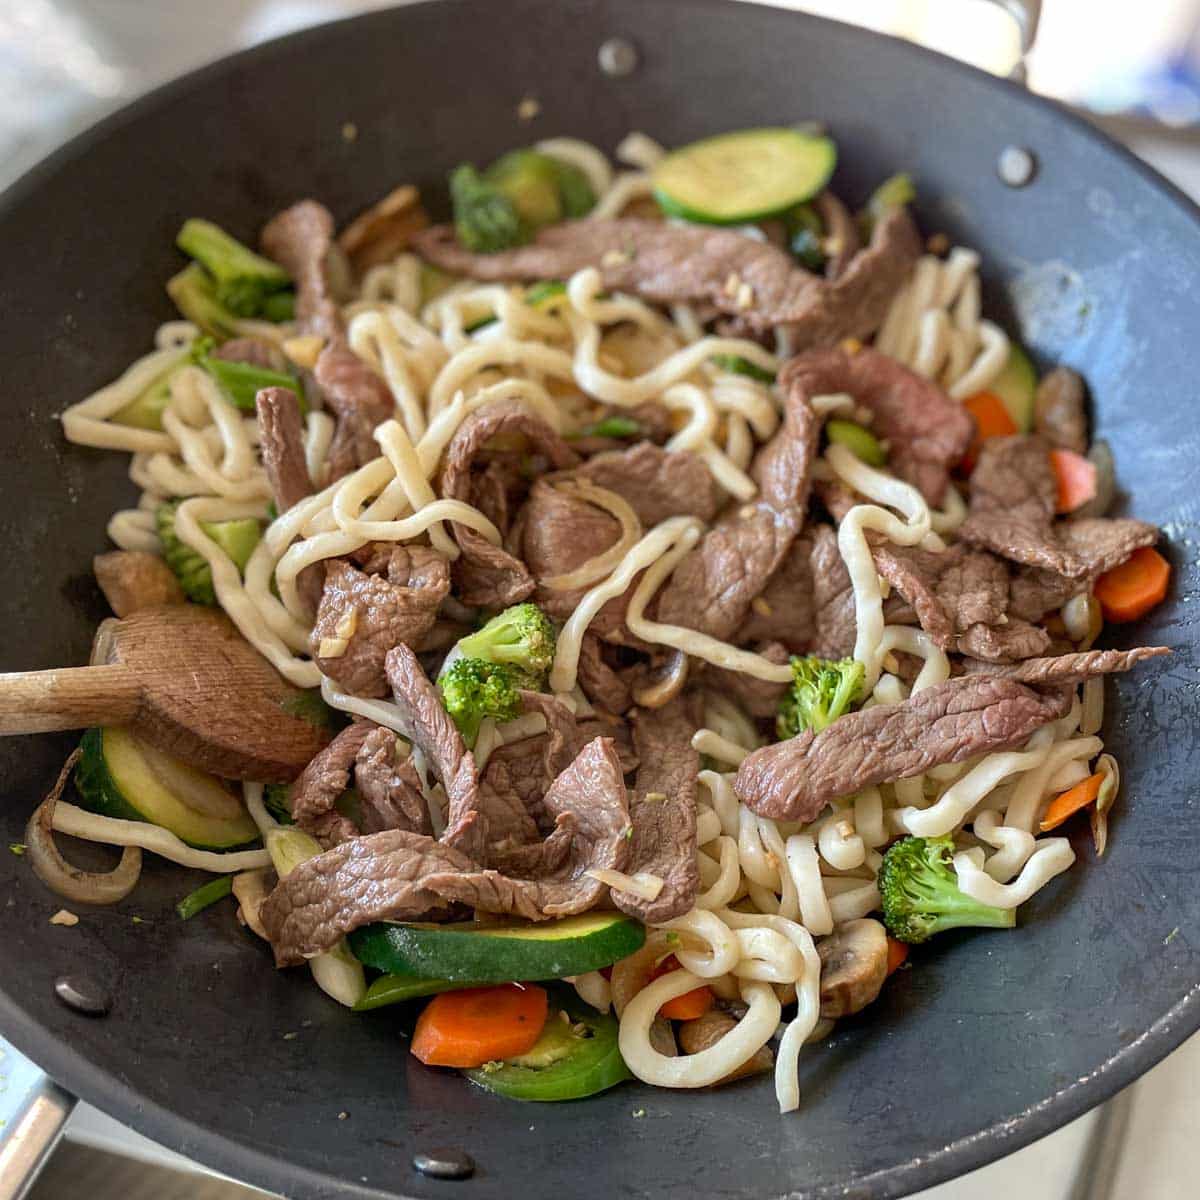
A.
pixel 1135 587
pixel 992 419
pixel 691 1004
pixel 1071 801
pixel 897 953
pixel 1076 479
pixel 479 1025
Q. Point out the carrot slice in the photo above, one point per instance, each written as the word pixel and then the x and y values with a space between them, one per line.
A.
pixel 1071 801
pixel 992 419
pixel 897 953
pixel 691 1004
pixel 1135 587
pixel 479 1025
pixel 1076 479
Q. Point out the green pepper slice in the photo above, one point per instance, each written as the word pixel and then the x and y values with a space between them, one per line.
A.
pixel 576 1056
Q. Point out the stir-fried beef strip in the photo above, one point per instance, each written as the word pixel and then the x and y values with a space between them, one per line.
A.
pixel 429 727
pixel 488 575
pixel 953 721
pixel 663 811
pixel 961 597
pixel 713 588
pixel 397 875
pixel 1060 410
pixel 601 683
pixel 1068 668
pixel 313 795
pixel 300 239
pixel 656 483
pixel 784 610
pixel 667 263
pixel 361 617
pixel 134 579
pixel 992 708
pixel 927 432
pixel 389 787
pixel 833 597
pixel 281 443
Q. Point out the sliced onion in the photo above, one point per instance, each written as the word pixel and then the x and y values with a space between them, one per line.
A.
pixel 606 562
pixel 84 887
pixel 664 684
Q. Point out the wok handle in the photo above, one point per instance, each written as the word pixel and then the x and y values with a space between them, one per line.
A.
pixel 33 1111
pixel 1027 14
pixel 68 698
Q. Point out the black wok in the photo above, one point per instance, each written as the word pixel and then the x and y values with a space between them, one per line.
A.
pixel 990 1040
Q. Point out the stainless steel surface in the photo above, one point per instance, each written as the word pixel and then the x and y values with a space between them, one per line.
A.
pixel 33 1111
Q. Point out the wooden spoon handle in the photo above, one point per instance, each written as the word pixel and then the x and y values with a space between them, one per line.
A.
pixel 68 698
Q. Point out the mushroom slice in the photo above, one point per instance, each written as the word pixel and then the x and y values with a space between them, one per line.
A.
pixel 853 967
pixel 383 231
pixel 706 1031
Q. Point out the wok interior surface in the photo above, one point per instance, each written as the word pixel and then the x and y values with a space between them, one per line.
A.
pixel 989 1040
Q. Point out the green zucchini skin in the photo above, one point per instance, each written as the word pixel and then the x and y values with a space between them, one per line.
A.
pixel 471 954
pixel 1016 386
pixel 100 793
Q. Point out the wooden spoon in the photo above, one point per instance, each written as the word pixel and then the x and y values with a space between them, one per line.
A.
pixel 187 682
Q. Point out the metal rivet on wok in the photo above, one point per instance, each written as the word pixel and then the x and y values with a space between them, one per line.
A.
pixel 1016 166
pixel 618 57
pixel 445 1164
pixel 82 994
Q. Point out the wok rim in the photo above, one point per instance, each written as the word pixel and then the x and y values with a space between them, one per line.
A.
pixel 223 1154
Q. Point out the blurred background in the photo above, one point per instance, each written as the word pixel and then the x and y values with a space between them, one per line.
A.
pixel 1133 68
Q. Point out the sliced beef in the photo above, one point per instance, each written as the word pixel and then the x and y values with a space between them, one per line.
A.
pixel 281 443
pixel 833 598
pixel 1060 410
pixel 389 787
pixel 255 352
pixel 960 597
pixel 559 532
pixel 370 615
pixel 667 263
pixel 926 431
pixel 712 588
pixel 300 239
pixel 784 611
pixel 398 875
pixel 663 811
pixel 951 722
pixel 486 575
pixel 429 727
pixel 134 579
pixel 758 697
pixel 601 683
pixel 657 483
pixel 1069 668
pixel 313 795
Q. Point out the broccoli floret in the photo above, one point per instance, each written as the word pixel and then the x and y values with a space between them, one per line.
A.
pixel 473 688
pixel 484 218
pixel 242 280
pixel 821 691
pixel 237 538
pixel 921 896
pixel 521 637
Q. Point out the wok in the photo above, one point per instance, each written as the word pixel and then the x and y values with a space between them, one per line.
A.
pixel 989 1041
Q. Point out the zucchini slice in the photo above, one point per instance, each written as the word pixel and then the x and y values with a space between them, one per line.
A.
pixel 516 951
pixel 743 176
pixel 1016 385
pixel 121 776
